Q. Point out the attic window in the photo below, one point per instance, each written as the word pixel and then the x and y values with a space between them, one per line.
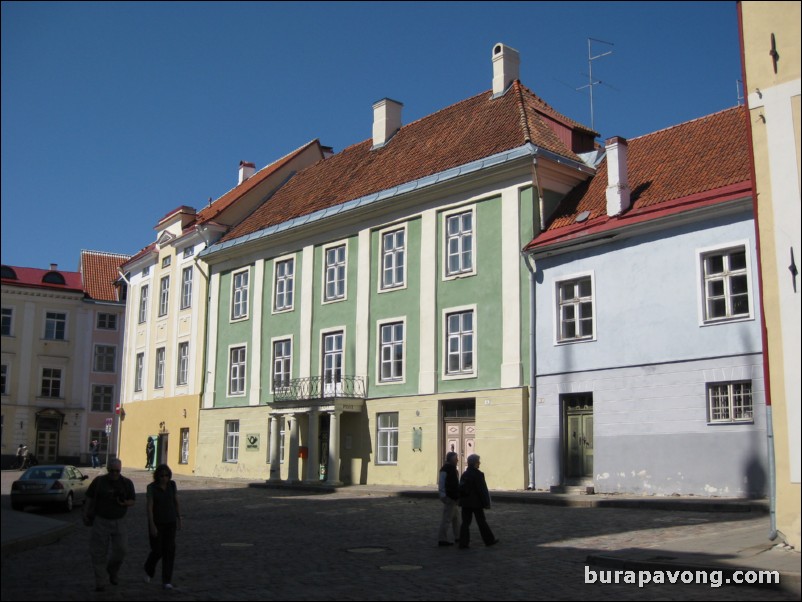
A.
pixel 7 272
pixel 54 278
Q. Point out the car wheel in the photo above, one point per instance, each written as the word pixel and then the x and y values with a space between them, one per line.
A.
pixel 19 507
pixel 68 505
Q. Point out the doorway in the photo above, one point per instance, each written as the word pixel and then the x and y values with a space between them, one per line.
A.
pixel 459 428
pixel 578 437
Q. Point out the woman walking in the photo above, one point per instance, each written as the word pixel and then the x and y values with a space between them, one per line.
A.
pixel 164 519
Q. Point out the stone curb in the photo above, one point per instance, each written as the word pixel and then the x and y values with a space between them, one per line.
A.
pixel 40 539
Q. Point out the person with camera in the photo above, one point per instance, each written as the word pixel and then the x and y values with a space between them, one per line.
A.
pixel 107 500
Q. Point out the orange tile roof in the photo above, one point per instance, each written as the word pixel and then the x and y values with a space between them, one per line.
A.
pixel 99 271
pixel 699 156
pixel 464 132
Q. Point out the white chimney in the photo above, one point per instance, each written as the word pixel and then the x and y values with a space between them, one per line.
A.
pixel 53 267
pixel 246 170
pixel 617 181
pixel 386 120
pixel 506 63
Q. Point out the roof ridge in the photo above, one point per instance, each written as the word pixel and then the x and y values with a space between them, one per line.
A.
pixel 105 253
pixel 684 123
pixel 522 111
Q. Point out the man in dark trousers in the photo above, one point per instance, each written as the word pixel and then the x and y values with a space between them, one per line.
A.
pixel 448 486
pixel 474 499
pixel 107 501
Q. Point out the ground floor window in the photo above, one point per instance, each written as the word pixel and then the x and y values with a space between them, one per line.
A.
pixel 729 402
pixel 232 441
pixel 387 438
pixel 183 458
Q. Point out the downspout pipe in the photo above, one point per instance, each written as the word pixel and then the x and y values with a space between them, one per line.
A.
pixel 763 331
pixel 123 374
pixel 530 265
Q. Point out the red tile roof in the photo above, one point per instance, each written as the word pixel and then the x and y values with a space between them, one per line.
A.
pixel 696 161
pixel 464 132
pixel 99 271
pixel 34 278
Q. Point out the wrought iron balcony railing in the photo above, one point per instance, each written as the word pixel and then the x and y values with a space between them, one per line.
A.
pixel 318 387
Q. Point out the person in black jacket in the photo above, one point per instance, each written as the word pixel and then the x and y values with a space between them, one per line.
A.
pixel 474 499
pixel 449 495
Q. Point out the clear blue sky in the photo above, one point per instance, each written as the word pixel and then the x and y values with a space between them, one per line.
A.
pixel 115 113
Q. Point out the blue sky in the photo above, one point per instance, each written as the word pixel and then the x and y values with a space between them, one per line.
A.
pixel 115 113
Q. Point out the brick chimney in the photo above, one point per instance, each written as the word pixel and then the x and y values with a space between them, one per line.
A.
pixel 506 67
pixel 617 182
pixel 386 120
pixel 246 170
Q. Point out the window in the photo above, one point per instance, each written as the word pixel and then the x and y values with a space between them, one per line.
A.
pixel 159 381
pixel 3 380
pixel 105 356
pixel 459 243
pixel 726 285
pixel 575 309
pixel 391 350
pixel 164 295
pixel 107 321
pixel 143 303
pixel 232 441
pixel 332 362
pixel 55 325
pixel 239 301
pixel 102 396
pixel 140 368
pixel 285 282
pixel 387 438
pixel 393 259
pixel 730 402
pixel 167 261
pixel 183 457
pixel 8 318
pixel 459 339
pixel 335 273
pixel 186 287
pixel 236 380
pixel 102 439
pixel 183 363
pixel 146 271
pixel 189 252
pixel 51 382
pixel 282 363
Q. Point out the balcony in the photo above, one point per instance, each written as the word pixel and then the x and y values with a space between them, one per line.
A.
pixel 319 388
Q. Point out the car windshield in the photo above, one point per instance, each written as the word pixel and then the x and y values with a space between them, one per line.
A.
pixel 42 472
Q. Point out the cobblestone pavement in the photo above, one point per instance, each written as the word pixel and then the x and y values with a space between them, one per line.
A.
pixel 242 543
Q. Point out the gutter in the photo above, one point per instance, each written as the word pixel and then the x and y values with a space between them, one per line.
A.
pixel 123 371
pixel 531 266
pixel 527 150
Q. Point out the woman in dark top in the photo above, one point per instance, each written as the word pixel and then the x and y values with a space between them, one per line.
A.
pixel 164 519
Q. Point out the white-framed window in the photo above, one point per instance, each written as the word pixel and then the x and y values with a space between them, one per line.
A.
pixel 105 358
pixel 284 285
pixel 459 239
pixel 333 361
pixel 236 371
pixel 575 309
pixel 393 259
pixel 164 295
pixel 139 372
pixel 387 438
pixel 159 380
pixel 282 363
pixel 55 325
pixel 166 261
pixel 189 252
pixel 239 295
pixel 143 303
pixel 183 456
pixel 391 352
pixel 186 287
pixel 730 402
pixel 102 398
pixel 460 340
pixel 726 288
pixel 231 453
pixel 107 321
pixel 183 363
pixel 146 271
pixel 4 379
pixel 334 273
pixel 51 382
pixel 7 321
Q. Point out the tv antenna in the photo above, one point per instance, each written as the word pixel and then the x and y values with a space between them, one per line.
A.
pixel 591 81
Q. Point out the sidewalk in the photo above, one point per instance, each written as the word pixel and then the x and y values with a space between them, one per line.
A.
pixel 747 549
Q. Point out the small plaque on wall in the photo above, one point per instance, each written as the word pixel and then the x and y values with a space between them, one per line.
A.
pixel 417 438
pixel 252 442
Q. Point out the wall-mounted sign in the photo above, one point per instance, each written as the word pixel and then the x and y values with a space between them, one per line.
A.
pixel 252 442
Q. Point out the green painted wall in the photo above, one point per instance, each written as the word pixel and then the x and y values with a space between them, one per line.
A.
pixel 232 333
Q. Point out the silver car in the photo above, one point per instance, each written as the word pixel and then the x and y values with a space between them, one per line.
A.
pixel 57 484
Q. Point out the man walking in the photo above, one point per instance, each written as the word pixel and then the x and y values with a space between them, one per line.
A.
pixel 448 486
pixel 94 450
pixel 474 499
pixel 108 499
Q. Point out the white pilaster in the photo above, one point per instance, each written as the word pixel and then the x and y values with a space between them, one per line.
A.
pixel 363 304
pixel 334 448
pixel 510 290
pixel 255 360
pixel 275 461
pixel 211 354
pixel 307 302
pixel 427 378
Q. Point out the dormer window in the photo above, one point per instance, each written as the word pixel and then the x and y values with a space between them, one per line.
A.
pixel 53 278
pixel 7 272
